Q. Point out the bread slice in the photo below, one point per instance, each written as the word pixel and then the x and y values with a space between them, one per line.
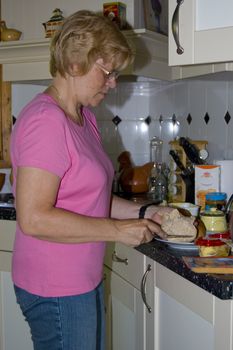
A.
pixel 179 228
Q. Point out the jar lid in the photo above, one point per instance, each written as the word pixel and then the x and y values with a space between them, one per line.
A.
pixel 212 212
pixel 217 196
pixel 209 242
pixel 221 235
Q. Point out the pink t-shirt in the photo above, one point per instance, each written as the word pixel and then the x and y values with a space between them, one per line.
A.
pixel 43 137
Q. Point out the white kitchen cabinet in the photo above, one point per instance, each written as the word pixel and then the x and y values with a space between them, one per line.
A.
pixel 189 317
pixel 128 289
pixel 14 330
pixel 200 32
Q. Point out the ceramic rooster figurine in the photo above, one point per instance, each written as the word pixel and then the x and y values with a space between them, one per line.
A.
pixel 133 179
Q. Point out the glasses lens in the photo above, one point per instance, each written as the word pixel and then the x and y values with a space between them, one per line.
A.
pixel 113 75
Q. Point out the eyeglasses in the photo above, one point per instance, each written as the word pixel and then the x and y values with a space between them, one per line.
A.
pixel 114 74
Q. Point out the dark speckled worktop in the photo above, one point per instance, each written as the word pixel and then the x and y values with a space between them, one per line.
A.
pixel 219 285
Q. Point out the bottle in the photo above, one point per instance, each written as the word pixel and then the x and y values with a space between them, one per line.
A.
pixel 156 147
pixel 157 184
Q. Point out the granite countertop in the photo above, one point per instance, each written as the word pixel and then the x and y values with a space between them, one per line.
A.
pixel 7 213
pixel 220 286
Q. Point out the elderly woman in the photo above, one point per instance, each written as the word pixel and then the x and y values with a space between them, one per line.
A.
pixel 62 186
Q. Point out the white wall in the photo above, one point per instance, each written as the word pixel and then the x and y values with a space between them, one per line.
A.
pixel 133 102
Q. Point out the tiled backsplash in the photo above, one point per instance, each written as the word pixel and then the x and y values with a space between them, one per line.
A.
pixel 168 106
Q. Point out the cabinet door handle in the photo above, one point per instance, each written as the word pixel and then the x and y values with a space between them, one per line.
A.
pixel 175 27
pixel 143 288
pixel 120 260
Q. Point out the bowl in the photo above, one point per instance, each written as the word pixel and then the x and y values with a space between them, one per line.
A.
pixel 192 208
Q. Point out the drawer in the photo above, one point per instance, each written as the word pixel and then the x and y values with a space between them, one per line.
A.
pixel 7 234
pixel 126 262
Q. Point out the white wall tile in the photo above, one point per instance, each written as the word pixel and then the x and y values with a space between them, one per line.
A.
pixel 134 101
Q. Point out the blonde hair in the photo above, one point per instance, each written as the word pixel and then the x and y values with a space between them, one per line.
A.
pixel 84 38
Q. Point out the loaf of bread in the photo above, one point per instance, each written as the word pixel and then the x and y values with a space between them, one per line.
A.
pixel 178 227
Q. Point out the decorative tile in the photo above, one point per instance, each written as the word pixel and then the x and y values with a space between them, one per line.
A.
pixel 189 119
pixel 227 117
pixel 116 120
pixel 147 120
pixel 206 118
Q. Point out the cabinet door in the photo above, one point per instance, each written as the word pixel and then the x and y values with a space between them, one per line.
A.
pixel 180 328
pixel 14 331
pixel 202 29
pixel 127 321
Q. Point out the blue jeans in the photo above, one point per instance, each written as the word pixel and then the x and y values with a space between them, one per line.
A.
pixel 65 323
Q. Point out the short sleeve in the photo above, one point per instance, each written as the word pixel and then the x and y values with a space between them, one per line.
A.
pixel 40 140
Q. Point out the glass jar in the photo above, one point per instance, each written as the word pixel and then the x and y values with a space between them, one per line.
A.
pixel 214 220
pixel 212 247
pixel 216 200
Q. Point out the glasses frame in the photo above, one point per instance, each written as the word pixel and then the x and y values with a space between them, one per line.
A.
pixel 114 74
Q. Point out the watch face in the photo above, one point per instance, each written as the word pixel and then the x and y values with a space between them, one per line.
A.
pixel 203 154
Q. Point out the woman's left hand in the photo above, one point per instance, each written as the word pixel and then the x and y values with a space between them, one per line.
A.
pixel 156 213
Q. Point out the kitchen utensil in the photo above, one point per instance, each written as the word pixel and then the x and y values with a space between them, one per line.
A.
pixel 192 152
pixel 184 171
pixel 187 176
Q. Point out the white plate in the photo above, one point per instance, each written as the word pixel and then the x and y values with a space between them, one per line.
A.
pixel 178 245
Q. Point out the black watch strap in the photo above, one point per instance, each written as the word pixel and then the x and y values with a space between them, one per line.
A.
pixel 142 210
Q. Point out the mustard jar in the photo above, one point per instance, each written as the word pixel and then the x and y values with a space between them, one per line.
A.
pixel 214 220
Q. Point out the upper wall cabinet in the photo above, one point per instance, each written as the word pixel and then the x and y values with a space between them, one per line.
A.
pixel 27 59
pixel 200 32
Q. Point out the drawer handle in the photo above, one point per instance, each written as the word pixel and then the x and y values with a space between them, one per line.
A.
pixel 120 260
pixel 143 288
pixel 175 27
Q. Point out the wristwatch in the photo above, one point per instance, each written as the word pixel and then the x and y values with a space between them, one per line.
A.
pixel 142 210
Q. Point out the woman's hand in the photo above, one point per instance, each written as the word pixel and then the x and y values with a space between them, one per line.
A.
pixel 134 232
pixel 155 213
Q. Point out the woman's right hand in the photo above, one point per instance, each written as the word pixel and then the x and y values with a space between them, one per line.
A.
pixel 134 232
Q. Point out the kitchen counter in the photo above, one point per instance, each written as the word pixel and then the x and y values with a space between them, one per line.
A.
pixel 220 286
